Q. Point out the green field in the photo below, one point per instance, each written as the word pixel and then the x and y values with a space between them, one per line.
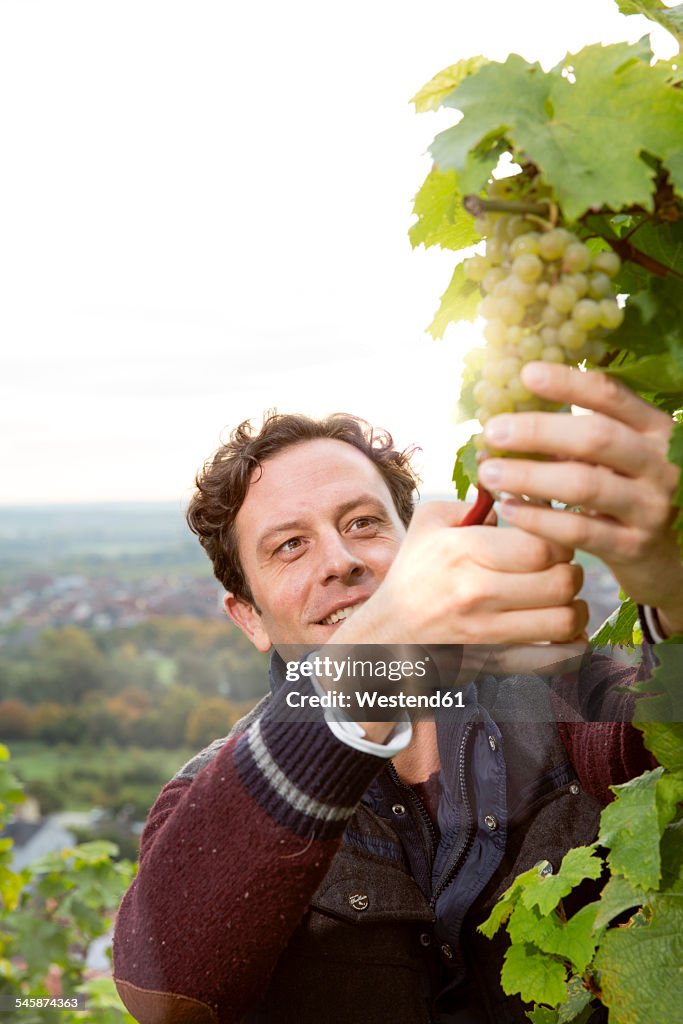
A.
pixel 68 777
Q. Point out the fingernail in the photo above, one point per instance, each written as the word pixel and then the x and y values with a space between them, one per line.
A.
pixel 535 375
pixel 498 429
pixel 490 473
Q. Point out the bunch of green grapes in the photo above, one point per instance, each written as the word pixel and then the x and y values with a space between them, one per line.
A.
pixel 545 296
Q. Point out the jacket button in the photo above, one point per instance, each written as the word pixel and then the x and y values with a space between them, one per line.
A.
pixel 575 789
pixel 399 810
pixel 425 939
pixel 492 743
pixel 447 951
pixel 359 901
pixel 491 822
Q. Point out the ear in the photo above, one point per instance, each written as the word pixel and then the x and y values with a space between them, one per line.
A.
pixel 244 615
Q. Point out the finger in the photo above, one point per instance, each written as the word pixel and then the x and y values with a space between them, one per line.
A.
pixel 551 587
pixel 430 514
pixel 508 550
pixel 574 483
pixel 599 535
pixel 586 438
pixel 594 390
pixel 557 625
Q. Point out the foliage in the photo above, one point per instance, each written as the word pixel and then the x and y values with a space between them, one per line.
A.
pixel 629 200
pixel 599 136
pixel 50 912
pixel 634 966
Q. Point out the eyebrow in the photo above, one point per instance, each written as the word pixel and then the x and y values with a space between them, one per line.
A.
pixel 340 510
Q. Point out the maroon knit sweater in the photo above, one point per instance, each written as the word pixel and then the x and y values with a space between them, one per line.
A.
pixel 230 859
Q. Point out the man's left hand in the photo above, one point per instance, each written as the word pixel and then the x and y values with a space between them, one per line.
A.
pixel 612 464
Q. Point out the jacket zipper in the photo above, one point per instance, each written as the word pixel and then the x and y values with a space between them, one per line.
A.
pixel 421 809
pixel 468 832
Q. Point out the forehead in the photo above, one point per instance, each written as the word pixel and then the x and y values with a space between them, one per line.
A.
pixel 310 476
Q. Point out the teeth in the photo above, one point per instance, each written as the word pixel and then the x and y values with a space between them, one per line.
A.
pixel 343 613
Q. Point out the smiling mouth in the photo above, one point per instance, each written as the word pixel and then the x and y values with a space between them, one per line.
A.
pixel 340 614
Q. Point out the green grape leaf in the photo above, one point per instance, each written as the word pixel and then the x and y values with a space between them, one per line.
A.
pixel 660 373
pixel 558 125
pixel 662 699
pixel 460 301
pixel 492 99
pixel 545 892
pixel 640 967
pixel 653 317
pixel 661 241
pixel 576 1010
pixel 618 895
pixel 675 455
pixel 665 740
pixel 537 978
pixel 505 904
pixel 572 940
pixel 432 95
pixel 465 469
pixel 542 1015
pixel 618 628
pixel 670 17
pixel 440 217
pixel 629 826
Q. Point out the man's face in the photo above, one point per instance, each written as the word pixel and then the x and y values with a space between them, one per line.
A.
pixel 316 535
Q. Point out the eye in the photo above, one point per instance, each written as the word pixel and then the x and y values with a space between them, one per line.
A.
pixel 363 523
pixel 290 546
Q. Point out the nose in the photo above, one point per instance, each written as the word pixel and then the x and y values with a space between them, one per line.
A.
pixel 338 560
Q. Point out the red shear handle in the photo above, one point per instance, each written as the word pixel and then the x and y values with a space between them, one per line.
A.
pixel 481 508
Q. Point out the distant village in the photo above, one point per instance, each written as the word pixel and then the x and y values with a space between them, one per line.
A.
pixel 42 600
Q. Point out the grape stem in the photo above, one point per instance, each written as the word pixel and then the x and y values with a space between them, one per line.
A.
pixel 481 508
pixel 478 207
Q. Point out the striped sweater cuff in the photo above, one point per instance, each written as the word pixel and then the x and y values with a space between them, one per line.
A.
pixel 301 774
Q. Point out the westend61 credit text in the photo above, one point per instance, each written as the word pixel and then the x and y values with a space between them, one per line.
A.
pixel 375 699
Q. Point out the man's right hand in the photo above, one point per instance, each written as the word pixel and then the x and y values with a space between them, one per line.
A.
pixel 475 585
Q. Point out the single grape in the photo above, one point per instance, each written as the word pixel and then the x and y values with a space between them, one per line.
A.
pixel 562 297
pixel 579 282
pixel 531 347
pixel 543 290
pixel 551 316
pixel 523 291
pixel 489 308
pixel 499 400
pixel 496 250
pixel 553 243
pixel 525 245
pixel 493 277
pixel 576 258
pixel 553 354
pixel 511 311
pixel 495 333
pixel 517 391
pixel 476 268
pixel 608 262
pixel 571 337
pixel 515 334
pixel 611 315
pixel 599 286
pixel 587 314
pixel 527 266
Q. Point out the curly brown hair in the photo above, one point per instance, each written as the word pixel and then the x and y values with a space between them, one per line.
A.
pixel 223 482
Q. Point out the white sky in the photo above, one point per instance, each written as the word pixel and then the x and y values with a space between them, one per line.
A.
pixel 203 214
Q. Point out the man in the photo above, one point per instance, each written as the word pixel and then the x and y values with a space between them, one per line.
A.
pixel 294 872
